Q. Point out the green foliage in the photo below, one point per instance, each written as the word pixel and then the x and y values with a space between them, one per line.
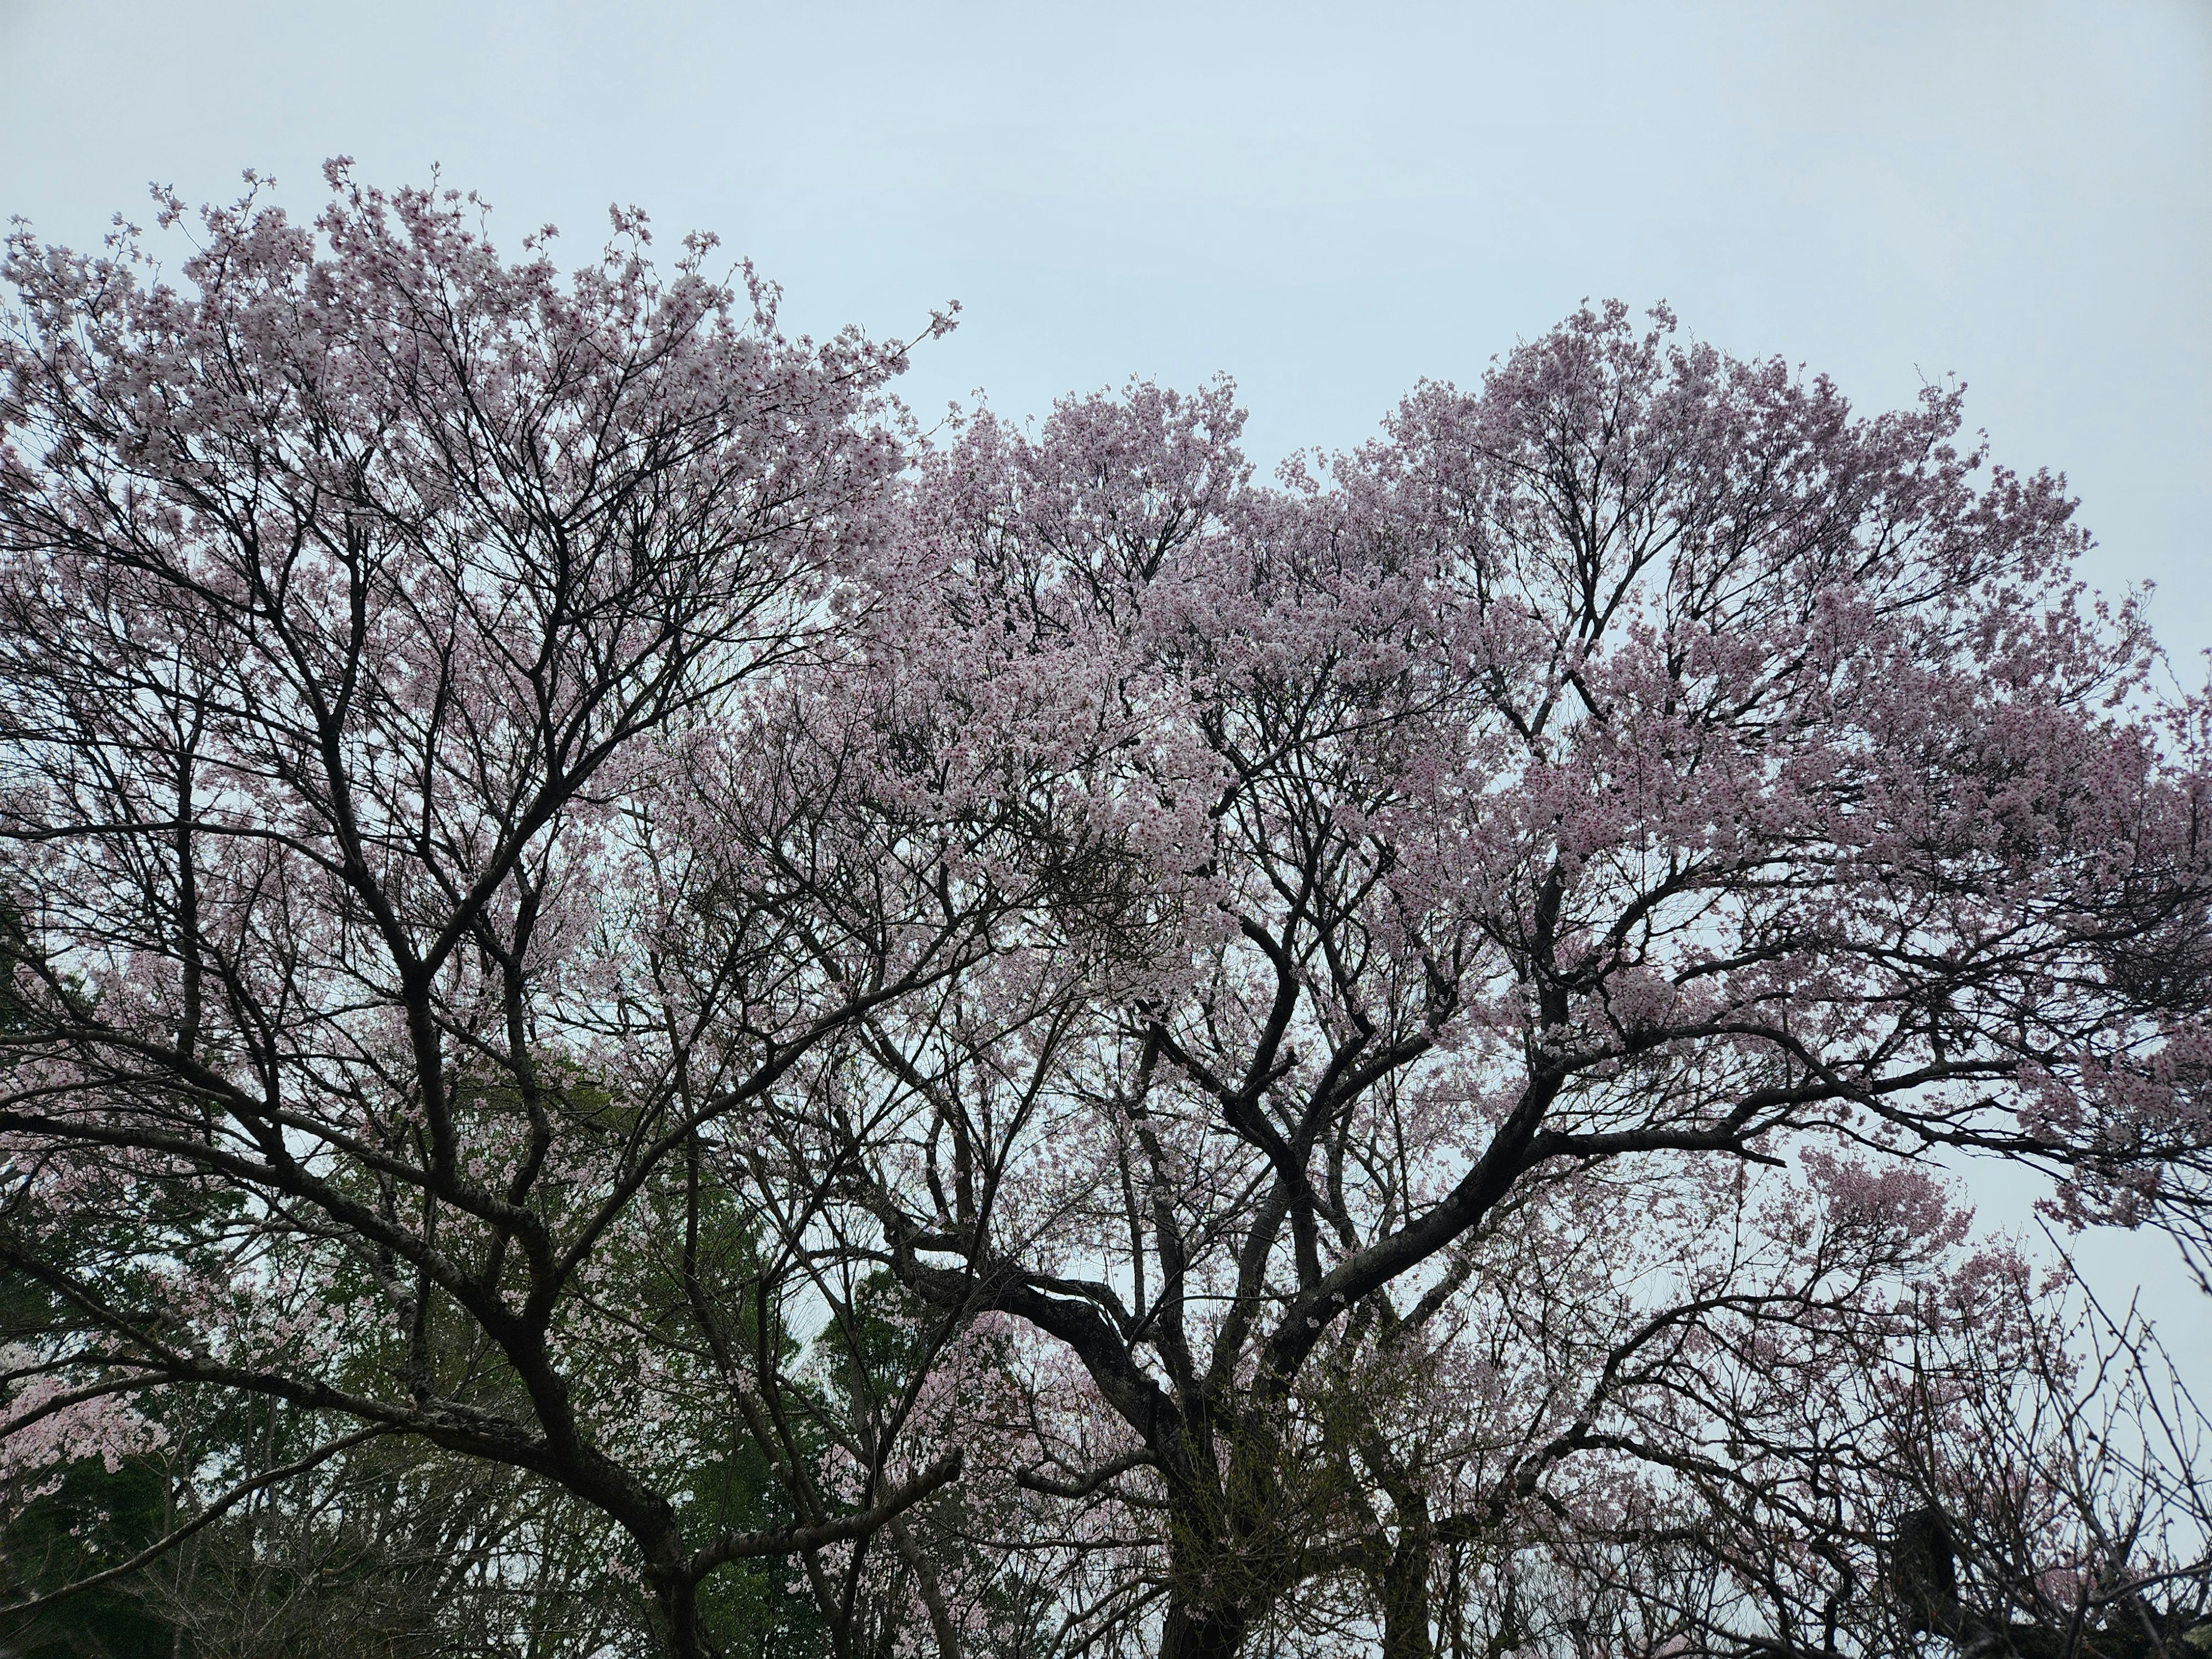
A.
pixel 94 1516
pixel 397 1550
pixel 751 1607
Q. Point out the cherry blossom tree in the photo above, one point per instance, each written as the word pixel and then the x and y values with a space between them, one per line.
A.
pixel 1636 772
pixel 1061 1050
pixel 378 618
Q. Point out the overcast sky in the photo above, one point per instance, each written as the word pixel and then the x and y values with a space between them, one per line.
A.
pixel 1326 203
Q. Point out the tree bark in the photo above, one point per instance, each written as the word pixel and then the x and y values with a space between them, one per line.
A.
pixel 1400 1584
pixel 1197 1631
pixel 676 1615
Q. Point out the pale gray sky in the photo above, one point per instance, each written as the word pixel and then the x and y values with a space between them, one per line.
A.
pixel 1327 202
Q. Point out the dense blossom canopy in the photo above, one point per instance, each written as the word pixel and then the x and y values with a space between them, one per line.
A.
pixel 1043 1046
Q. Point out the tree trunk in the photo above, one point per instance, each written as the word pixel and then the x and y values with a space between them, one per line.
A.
pixel 1398 1574
pixel 1197 1632
pixel 1401 1585
pixel 676 1615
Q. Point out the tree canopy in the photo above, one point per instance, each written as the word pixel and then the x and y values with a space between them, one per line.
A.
pixel 649 1011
